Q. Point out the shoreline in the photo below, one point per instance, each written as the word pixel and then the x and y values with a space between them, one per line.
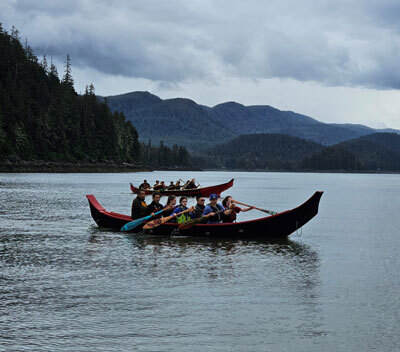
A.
pixel 41 166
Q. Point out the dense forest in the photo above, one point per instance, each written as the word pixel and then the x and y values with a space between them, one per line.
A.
pixel 43 118
pixel 375 152
pixel 259 151
pixel 163 157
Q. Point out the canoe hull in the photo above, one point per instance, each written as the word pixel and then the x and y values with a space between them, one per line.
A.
pixel 280 225
pixel 204 191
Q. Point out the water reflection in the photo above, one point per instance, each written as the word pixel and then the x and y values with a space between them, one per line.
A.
pixel 285 261
pixel 94 286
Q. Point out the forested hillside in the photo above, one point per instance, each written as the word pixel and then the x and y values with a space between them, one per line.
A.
pixel 259 151
pixel 43 118
pixel 242 119
pixel 377 152
pixel 182 121
pixel 174 121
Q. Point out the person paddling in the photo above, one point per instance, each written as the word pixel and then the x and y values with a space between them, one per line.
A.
pixel 139 206
pixel 181 207
pixel 228 205
pixel 199 207
pixel 190 184
pixel 216 208
pixel 171 202
pixel 155 205
pixel 145 185
pixel 157 185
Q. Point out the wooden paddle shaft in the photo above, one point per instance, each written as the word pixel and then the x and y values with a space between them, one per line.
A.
pixel 163 220
pixel 247 205
pixel 166 219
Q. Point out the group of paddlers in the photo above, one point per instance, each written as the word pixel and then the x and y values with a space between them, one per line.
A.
pixel 214 212
pixel 161 186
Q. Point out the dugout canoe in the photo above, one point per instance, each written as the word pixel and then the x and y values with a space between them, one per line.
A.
pixel 202 191
pixel 280 225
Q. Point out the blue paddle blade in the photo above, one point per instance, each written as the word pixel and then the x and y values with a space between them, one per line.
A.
pixel 135 223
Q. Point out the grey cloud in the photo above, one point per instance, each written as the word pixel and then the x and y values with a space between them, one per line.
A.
pixel 351 43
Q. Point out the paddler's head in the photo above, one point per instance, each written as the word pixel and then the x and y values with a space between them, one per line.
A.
pixel 141 194
pixel 213 199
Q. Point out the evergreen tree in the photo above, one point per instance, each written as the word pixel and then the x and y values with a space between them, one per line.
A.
pixel 44 64
pixel 53 70
pixel 67 78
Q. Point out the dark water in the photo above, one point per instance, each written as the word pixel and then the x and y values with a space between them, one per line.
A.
pixel 66 285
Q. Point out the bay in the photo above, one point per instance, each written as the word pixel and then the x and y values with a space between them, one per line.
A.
pixel 67 285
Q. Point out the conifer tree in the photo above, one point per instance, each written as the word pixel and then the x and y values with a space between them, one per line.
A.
pixel 53 70
pixel 44 64
pixel 15 34
pixel 67 78
pixel 91 89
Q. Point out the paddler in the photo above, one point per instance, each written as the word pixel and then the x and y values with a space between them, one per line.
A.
pixel 231 216
pixel 181 207
pixel 217 209
pixel 155 205
pixel 190 184
pixel 139 206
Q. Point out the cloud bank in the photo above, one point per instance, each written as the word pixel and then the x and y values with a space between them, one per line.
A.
pixel 341 43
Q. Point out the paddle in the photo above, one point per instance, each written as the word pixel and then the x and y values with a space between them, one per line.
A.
pixel 270 212
pixel 190 223
pixel 203 219
pixel 135 223
pixel 158 222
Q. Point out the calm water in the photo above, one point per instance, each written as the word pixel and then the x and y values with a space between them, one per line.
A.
pixel 66 285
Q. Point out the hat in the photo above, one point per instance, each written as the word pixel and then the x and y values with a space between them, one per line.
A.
pixel 213 196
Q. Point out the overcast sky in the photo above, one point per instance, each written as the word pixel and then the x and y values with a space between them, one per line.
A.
pixel 337 61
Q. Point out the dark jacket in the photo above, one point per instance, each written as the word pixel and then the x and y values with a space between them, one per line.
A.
pixel 153 207
pixel 198 210
pixel 139 209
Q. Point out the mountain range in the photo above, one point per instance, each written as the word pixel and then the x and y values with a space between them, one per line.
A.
pixel 198 127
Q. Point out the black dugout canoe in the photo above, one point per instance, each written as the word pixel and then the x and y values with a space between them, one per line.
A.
pixel 275 226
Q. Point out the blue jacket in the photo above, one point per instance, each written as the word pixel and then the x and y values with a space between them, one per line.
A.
pixel 219 209
pixel 181 218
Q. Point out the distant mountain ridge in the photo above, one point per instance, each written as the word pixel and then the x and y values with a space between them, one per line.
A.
pixel 375 152
pixel 183 121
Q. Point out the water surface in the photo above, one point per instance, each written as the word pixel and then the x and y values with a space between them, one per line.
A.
pixel 66 285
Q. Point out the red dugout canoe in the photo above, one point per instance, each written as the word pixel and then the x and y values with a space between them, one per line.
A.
pixel 276 226
pixel 204 191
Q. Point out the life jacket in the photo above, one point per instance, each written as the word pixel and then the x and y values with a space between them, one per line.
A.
pixel 218 210
pixel 180 219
